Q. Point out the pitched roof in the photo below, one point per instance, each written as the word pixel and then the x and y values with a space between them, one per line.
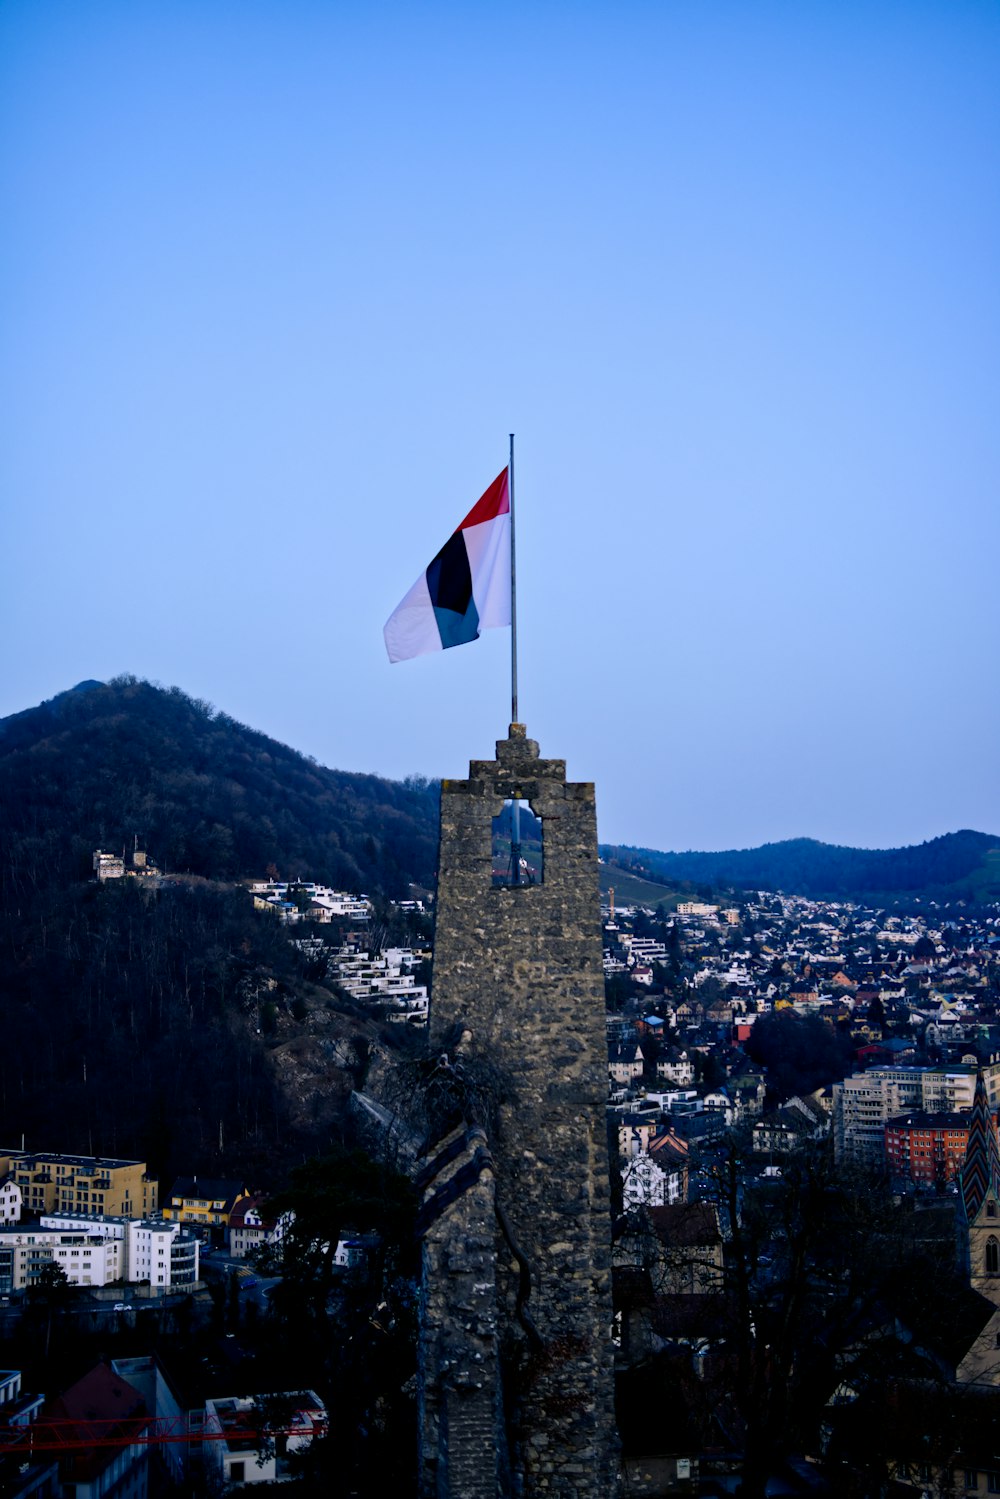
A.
pixel 207 1189
pixel 100 1396
pixel 686 1223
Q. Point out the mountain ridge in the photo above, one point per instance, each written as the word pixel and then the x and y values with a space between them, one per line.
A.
pixel 960 865
pixel 102 762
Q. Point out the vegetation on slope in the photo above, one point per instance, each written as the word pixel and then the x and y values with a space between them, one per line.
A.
pixel 957 866
pixel 141 1020
pixel 203 794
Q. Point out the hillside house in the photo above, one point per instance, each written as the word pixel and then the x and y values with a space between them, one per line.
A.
pixel 10 1201
pixel 237 1457
pixel 675 1067
pixel 625 1064
pixel 207 1203
pixel 250 1228
pixel 646 1184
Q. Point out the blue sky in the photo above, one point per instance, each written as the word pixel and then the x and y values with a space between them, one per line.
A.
pixel 277 280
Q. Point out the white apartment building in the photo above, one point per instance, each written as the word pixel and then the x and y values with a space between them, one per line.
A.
pixel 162 1253
pixel 386 979
pixel 86 1258
pixel 98 1251
pixel 324 903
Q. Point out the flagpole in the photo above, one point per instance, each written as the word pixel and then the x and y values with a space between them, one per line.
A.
pixel 515 810
pixel 513 593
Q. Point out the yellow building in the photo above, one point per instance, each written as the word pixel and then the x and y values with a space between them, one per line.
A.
pixel 54 1183
pixel 207 1202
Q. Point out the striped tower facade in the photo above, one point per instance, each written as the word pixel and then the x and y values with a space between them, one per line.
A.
pixel 979 1199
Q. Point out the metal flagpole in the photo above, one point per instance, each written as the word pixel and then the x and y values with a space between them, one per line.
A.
pixel 513 591
pixel 515 809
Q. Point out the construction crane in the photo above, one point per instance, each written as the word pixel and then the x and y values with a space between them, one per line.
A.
pixel 141 1431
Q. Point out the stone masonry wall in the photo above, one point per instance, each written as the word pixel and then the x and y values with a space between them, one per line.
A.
pixel 462 1444
pixel 519 969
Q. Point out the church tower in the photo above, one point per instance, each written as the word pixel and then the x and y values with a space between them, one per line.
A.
pixel 517 1382
pixel 979 1200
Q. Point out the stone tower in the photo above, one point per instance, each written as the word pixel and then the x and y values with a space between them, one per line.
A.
pixel 517 1383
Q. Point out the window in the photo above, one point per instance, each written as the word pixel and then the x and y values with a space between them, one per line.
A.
pixel 971 1478
pixel 516 849
pixel 992 1256
pixel 237 1472
pixel 992 1482
pixel 991 1209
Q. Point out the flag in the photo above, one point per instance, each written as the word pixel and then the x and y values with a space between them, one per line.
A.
pixel 465 590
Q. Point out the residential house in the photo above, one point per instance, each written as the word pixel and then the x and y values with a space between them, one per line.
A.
pixel 24 1473
pixel 10 1201
pixel 242 1453
pixel 625 1064
pixel 796 1123
pixel 689 1258
pixel 250 1228
pixel 865 1101
pixel 635 1131
pixel 207 1204
pixel 675 1067
pixel 644 1183
pixel 98 1252
pixel 87 1258
pixel 147 1376
pixel 926 1149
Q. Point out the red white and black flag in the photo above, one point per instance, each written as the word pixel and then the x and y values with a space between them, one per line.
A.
pixel 467 587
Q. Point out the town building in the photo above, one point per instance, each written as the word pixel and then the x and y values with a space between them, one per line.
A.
pixel 98 1252
pixel 236 1451
pixel 250 1228
pixel 926 1150
pixel 207 1203
pixel 93 1185
pixel 104 1420
pixel 10 1201
pixel 864 1103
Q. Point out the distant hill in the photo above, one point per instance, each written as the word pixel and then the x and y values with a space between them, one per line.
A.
pixel 102 764
pixel 957 866
pixel 173 1023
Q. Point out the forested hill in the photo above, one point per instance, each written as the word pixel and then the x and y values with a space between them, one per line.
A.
pixel 963 865
pixel 102 764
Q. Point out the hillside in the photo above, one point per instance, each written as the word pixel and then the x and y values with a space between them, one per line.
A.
pixel 174 1023
pixel 103 764
pixel 957 866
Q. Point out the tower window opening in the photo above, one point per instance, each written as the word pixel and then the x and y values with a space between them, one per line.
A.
pixel 992 1256
pixel 517 845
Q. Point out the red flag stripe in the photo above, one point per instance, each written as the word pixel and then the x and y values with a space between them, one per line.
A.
pixel 496 501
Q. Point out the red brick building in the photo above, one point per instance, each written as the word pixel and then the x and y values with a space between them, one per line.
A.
pixel 926 1149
